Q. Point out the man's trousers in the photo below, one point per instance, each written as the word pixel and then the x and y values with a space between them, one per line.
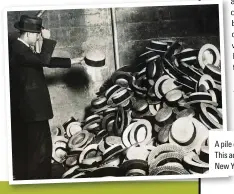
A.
pixel 31 150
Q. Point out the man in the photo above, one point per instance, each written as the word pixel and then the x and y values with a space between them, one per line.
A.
pixel 30 100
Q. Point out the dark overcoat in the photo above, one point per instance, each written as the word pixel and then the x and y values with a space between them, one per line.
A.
pixel 30 98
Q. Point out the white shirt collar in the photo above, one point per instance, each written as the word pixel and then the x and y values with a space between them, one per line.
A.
pixel 23 42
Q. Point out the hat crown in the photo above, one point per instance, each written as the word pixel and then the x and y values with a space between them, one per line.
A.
pixel 29 19
pixel 29 24
pixel 163 114
pixel 183 130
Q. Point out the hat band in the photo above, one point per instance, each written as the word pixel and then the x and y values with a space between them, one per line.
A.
pixel 88 152
pixel 107 119
pixel 214 74
pixel 188 83
pixel 93 118
pixel 190 72
pixel 111 151
pixel 205 111
pixel 200 97
pixel 94 63
pixel 137 130
pixel 189 163
pixel 140 94
pixel 72 119
pixel 151 70
pixel 204 156
pixel 109 111
pixel 167 160
pixel 121 121
pixel 29 26
pixel 171 50
pixel 99 103
pixel 112 90
pixel 122 98
pixel 187 54
pixel 128 106
pixel 158 45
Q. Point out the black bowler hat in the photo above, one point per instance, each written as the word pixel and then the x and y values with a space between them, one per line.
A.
pixel 29 24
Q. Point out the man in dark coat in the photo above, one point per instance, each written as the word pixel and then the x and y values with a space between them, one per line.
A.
pixel 30 100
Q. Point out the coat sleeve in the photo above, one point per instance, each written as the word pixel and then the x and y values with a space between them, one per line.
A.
pixel 59 62
pixel 44 59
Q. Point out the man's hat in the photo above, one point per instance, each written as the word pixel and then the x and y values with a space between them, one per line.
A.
pixel 29 24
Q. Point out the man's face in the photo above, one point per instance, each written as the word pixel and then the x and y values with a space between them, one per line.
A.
pixel 33 38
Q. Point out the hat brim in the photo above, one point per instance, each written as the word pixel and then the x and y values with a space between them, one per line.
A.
pixel 16 25
pixel 164 148
pixel 168 170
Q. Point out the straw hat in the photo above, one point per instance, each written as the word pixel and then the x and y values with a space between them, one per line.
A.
pixel 189 133
pixel 209 55
pixel 134 164
pixel 210 116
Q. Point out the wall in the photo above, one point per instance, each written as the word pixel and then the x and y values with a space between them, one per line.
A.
pixel 193 25
pixel 78 30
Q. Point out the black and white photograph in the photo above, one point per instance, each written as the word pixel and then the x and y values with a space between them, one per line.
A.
pixel 114 93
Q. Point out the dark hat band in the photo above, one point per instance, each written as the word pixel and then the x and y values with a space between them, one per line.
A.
pixel 213 71
pixel 25 26
pixel 186 82
pixel 205 110
pixel 199 96
pixel 190 72
pixel 94 63
pixel 158 45
pixel 99 102
pixel 187 54
pixel 112 90
pixel 108 118
pixel 190 163
pixel 92 119
pixel 121 98
pixel 204 155
pixel 72 119
pixel 121 121
pixel 89 149
pixel 171 50
pixel 134 164
pixel 112 150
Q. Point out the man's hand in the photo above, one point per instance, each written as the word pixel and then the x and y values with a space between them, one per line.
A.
pixel 77 60
pixel 45 33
